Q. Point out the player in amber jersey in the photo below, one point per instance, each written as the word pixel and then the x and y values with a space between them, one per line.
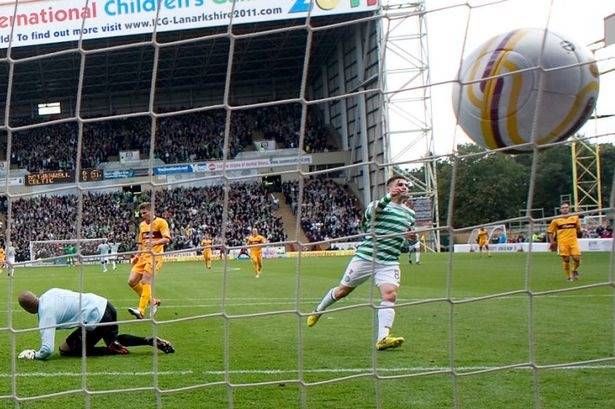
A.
pixel 563 233
pixel 483 241
pixel 2 258
pixel 256 253
pixel 206 243
pixel 154 234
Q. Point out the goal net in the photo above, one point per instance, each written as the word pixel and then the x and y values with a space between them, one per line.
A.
pixel 64 251
pixel 273 125
pixel 495 234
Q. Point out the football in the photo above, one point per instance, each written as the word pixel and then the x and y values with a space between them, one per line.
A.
pixel 503 98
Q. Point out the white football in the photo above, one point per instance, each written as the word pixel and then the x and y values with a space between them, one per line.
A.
pixel 524 103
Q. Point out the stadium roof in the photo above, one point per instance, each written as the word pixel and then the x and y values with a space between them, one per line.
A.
pixel 278 54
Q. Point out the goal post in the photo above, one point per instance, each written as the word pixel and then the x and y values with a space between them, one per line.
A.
pixel 493 232
pixel 60 252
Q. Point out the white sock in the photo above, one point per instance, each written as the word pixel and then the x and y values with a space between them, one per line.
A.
pixel 417 257
pixel 327 300
pixel 385 319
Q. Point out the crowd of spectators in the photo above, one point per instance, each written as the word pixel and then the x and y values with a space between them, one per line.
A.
pixel 41 218
pixel 328 210
pixel 191 212
pixel 599 232
pixel 179 138
pixel 283 125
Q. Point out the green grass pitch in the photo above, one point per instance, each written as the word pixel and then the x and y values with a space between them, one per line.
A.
pixel 254 357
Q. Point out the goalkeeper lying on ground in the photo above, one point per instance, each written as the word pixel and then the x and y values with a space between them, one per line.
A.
pixel 58 308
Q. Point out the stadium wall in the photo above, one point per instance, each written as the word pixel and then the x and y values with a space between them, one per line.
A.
pixel 354 66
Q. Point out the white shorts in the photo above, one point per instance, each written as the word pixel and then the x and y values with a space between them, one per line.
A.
pixel 359 270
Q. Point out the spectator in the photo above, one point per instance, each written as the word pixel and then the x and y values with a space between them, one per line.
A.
pixel 191 213
pixel 328 210
pixel 179 138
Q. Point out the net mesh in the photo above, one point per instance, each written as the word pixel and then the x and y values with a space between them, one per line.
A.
pixel 59 249
pixel 356 100
pixel 493 233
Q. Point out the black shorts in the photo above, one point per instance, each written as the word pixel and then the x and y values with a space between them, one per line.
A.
pixel 108 333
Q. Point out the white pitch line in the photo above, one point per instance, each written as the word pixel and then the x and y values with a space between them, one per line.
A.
pixel 232 301
pixel 292 301
pixel 294 371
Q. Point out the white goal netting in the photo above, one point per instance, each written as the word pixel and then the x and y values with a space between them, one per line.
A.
pixel 287 117
pixel 495 234
pixel 64 251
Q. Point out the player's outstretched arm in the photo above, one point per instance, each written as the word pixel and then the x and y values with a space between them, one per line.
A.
pixel 379 205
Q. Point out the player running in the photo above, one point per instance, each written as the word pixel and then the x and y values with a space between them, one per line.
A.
pixel 154 234
pixel 378 258
pixel 256 253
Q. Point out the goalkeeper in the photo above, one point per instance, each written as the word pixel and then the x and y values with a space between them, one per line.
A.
pixel 58 308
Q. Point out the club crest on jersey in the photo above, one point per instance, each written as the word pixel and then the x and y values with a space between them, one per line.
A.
pixel 151 235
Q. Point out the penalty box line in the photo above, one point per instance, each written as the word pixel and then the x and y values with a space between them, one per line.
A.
pixel 310 299
pixel 306 301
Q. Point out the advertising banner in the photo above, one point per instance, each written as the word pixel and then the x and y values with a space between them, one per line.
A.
pixel 129 156
pixel 118 174
pixel 13 181
pixel 52 21
pixel 584 244
pixel 323 253
pixel 291 160
pixel 125 173
pixel 169 170
pixel 268 252
pixel 250 164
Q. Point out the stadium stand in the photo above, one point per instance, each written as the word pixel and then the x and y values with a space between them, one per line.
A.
pixel 189 137
pixel 190 211
pixel 328 211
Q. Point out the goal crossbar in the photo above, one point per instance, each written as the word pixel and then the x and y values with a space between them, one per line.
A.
pixel 49 244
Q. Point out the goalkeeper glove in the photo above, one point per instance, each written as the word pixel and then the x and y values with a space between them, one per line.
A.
pixel 27 354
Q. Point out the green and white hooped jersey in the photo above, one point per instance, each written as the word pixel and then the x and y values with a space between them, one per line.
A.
pixel 389 218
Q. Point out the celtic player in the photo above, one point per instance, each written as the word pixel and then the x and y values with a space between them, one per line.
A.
pixel 378 257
